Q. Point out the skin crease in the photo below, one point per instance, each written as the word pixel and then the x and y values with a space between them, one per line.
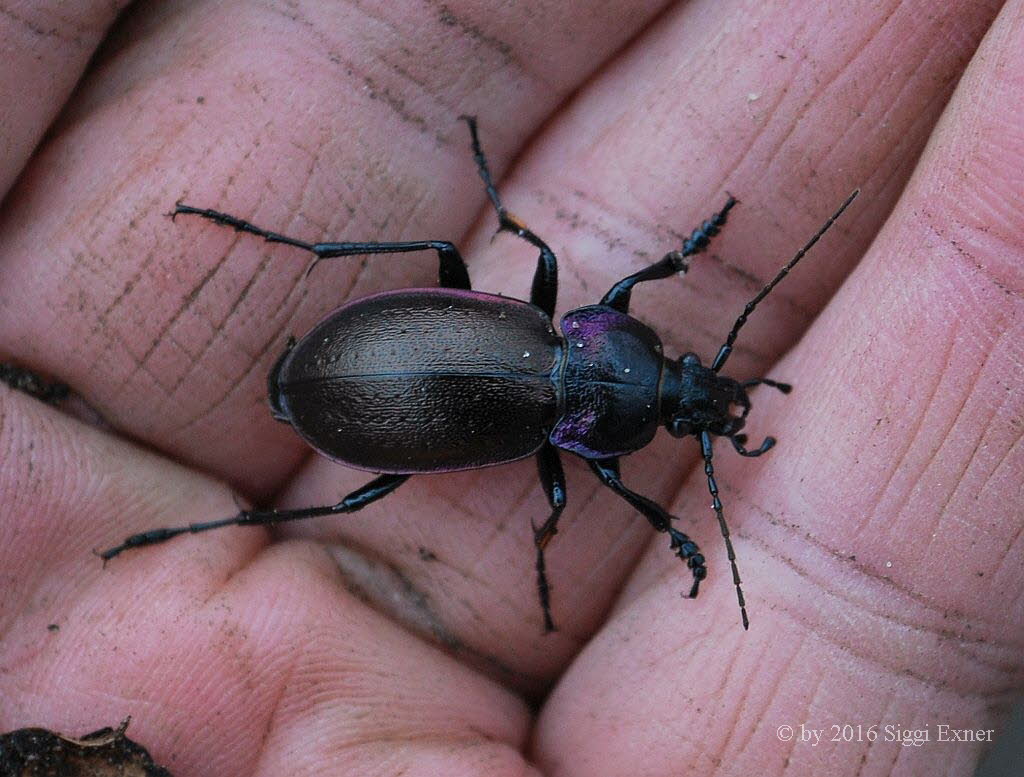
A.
pixel 879 543
pixel 46 46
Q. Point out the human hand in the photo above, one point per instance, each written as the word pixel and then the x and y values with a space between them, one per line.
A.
pixel 879 543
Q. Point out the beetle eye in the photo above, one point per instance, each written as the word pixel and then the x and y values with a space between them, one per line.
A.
pixel 677 427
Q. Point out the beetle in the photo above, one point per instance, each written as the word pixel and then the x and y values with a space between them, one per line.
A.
pixel 433 380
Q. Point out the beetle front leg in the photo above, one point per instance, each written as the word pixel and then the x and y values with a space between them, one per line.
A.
pixel 618 296
pixel 376 489
pixel 552 479
pixel 451 272
pixel 607 470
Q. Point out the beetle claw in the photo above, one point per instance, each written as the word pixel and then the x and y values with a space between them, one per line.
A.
pixel 313 264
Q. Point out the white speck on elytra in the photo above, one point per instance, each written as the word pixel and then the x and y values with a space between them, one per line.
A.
pixel 626 370
pixel 526 354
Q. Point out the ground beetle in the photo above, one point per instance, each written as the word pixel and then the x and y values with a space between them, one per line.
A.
pixel 442 379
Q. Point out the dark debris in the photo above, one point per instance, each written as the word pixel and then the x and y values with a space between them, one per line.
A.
pixel 38 752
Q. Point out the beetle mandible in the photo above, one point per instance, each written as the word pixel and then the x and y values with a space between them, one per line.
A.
pixel 443 379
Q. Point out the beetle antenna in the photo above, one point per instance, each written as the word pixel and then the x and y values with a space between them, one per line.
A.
pixel 726 349
pixel 716 504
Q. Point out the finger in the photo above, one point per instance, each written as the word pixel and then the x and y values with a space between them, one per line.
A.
pixel 46 47
pixel 232 661
pixel 722 100
pixel 880 543
pixel 331 122
pixel 643 155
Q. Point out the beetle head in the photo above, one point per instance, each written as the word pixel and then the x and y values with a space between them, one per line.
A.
pixel 701 400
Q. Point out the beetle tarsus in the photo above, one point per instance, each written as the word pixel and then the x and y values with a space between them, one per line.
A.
pixel 701 236
pixel 689 552
pixel 738 440
pixel 239 225
pixel 151 537
pixel 376 489
pixel 481 164
pixel 544 591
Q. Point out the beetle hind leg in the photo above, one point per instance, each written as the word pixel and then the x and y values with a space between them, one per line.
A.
pixel 376 489
pixel 544 291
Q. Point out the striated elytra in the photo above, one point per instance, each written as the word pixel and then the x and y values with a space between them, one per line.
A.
pixel 435 380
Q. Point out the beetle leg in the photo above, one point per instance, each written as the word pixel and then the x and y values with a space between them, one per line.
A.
pixel 358 499
pixel 738 441
pixel 452 270
pixel 552 479
pixel 673 262
pixel 608 472
pixel 785 388
pixel 618 297
pixel 544 292
pixel 716 505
